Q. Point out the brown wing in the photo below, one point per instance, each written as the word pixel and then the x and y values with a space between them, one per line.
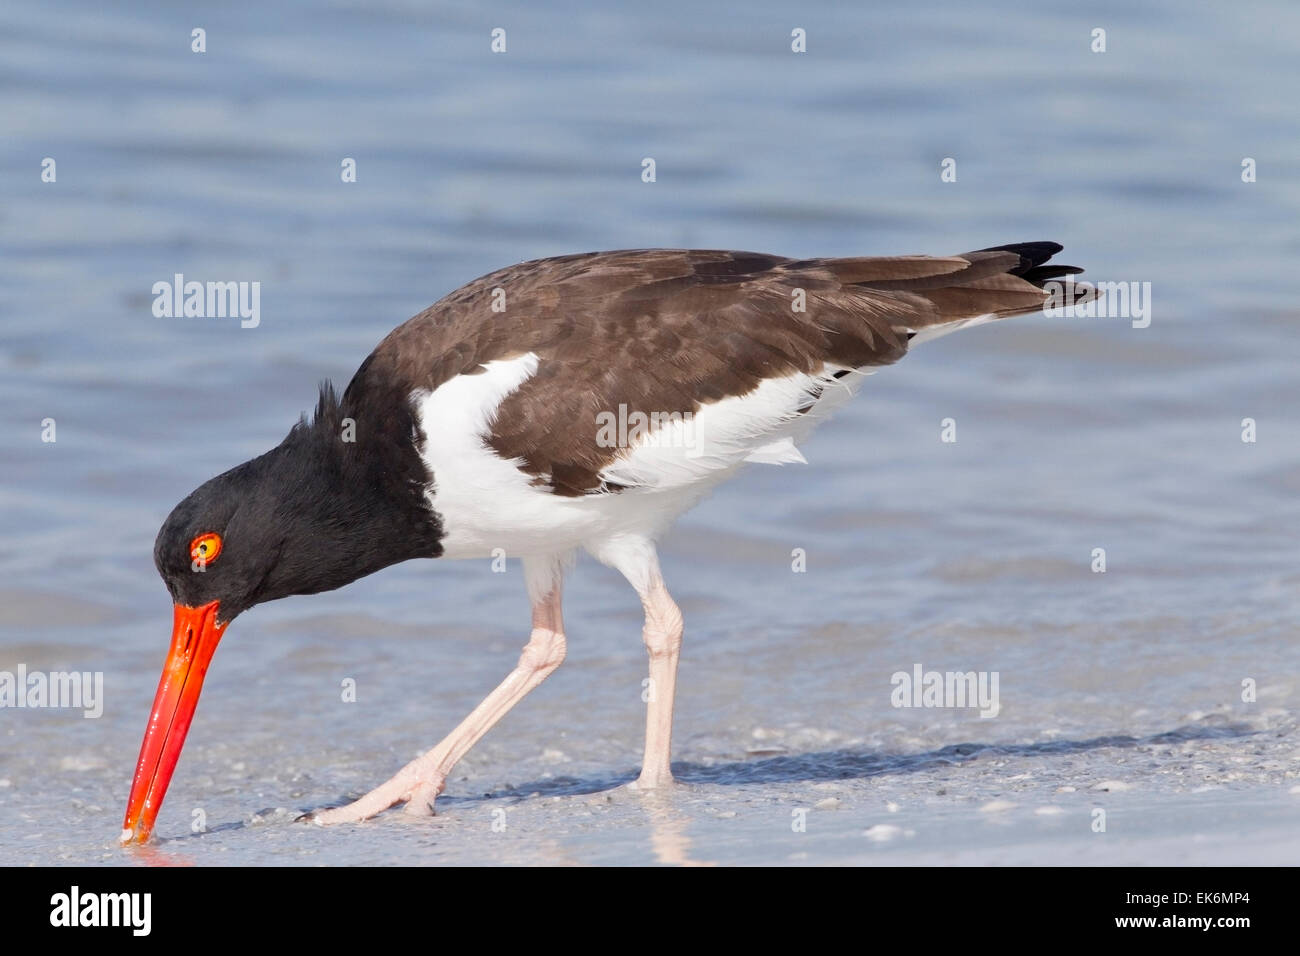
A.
pixel 664 330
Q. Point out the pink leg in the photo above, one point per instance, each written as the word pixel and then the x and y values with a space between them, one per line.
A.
pixel 636 559
pixel 419 782
pixel 663 641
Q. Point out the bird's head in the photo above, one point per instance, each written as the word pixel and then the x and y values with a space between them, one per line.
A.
pixel 339 498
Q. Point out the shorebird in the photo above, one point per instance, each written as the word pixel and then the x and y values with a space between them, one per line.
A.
pixel 579 402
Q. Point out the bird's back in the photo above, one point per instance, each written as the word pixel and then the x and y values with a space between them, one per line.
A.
pixel 668 332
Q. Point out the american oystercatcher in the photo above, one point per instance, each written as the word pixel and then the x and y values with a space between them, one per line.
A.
pixel 584 402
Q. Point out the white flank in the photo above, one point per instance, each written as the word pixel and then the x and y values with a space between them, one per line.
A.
pixel 936 331
pixel 486 502
pixel 761 426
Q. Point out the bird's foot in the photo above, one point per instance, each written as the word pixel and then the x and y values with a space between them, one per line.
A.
pixel 417 791
pixel 662 780
pixel 419 803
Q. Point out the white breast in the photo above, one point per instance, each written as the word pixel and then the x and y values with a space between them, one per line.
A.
pixel 486 502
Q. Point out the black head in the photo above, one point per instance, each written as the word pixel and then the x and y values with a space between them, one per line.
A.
pixel 337 499
pixel 341 497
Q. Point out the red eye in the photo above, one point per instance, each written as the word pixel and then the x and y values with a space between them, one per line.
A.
pixel 206 547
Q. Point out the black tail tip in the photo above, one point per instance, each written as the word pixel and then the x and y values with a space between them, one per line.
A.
pixel 1033 255
pixel 1035 252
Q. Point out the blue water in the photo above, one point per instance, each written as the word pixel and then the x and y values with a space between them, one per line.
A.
pixel 1073 434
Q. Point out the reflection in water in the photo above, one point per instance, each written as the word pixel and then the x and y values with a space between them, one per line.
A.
pixel 668 838
pixel 153 855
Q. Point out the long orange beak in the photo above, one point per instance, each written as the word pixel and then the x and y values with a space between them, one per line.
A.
pixel 195 635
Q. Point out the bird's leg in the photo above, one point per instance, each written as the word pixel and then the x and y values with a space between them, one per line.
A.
pixel 420 781
pixel 636 559
pixel 663 641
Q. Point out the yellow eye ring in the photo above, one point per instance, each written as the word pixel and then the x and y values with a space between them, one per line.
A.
pixel 206 547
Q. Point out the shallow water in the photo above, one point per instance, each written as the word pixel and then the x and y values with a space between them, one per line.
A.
pixel 1120 691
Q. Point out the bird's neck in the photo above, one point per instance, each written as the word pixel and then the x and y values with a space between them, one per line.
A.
pixel 353 485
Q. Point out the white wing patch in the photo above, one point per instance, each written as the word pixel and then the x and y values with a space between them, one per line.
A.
pixel 760 426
